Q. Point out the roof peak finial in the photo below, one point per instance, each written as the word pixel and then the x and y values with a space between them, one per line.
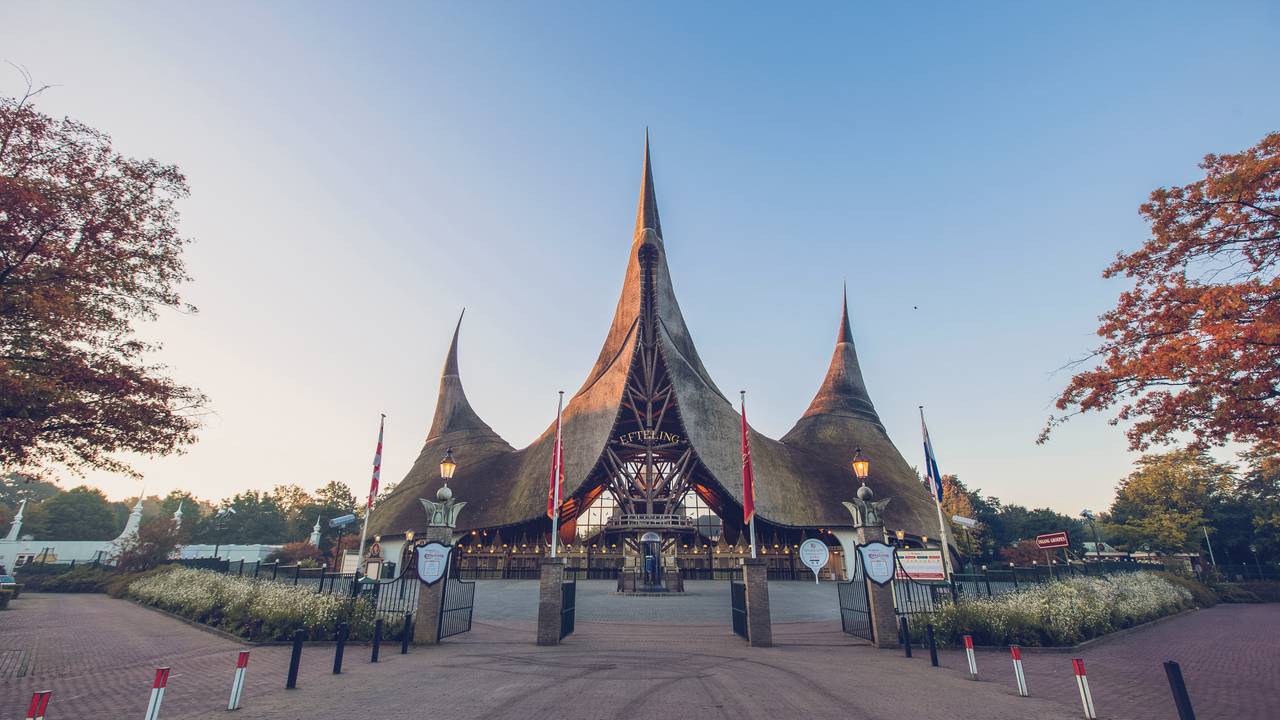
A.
pixel 451 362
pixel 845 333
pixel 647 211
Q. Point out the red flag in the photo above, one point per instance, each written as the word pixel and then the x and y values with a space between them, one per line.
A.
pixel 748 475
pixel 377 463
pixel 557 468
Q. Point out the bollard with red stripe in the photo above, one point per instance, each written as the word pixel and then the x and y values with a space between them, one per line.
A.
pixel 237 683
pixel 157 693
pixel 968 652
pixel 1082 683
pixel 39 704
pixel 1018 675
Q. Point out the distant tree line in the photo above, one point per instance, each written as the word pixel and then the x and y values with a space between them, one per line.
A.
pixel 284 514
pixel 1166 505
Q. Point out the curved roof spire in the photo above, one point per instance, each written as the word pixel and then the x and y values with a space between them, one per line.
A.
pixel 647 211
pixel 843 391
pixel 453 412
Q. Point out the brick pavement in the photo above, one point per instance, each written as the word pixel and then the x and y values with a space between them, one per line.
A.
pixel 97 655
pixel 1230 658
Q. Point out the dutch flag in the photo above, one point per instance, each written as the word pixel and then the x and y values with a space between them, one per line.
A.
pixel 932 477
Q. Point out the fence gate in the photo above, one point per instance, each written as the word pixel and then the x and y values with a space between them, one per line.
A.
pixel 568 606
pixel 455 610
pixel 855 608
pixel 738 608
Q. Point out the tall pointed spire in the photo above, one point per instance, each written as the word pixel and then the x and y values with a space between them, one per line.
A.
pixel 647 211
pixel 451 362
pixel 453 411
pixel 843 390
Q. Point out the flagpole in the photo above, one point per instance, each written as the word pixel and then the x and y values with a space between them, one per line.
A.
pixel 931 470
pixel 555 478
pixel 368 510
pixel 751 525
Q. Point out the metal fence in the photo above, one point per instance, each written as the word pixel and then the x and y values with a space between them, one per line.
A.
pixel 914 597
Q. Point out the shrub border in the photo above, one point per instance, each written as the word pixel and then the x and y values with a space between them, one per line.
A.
pixel 232 636
pixel 1091 641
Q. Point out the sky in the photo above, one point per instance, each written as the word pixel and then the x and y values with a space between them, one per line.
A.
pixel 362 172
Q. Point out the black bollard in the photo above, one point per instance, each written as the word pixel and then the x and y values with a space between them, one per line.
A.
pixel 1181 699
pixel 933 645
pixel 298 636
pixel 377 639
pixel 906 637
pixel 343 631
pixel 407 635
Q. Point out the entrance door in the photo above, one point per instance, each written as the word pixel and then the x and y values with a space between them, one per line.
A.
pixel 855 609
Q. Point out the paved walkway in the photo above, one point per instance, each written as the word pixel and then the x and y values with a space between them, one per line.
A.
pixel 98 655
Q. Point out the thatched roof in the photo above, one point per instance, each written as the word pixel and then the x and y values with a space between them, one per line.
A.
pixel 800 480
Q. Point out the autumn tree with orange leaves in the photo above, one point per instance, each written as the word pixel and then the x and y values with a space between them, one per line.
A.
pixel 1193 349
pixel 89 246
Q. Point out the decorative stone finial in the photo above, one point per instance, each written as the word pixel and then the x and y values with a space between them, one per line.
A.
pixel 865 511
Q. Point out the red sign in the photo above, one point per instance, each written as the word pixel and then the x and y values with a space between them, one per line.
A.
pixel 1049 541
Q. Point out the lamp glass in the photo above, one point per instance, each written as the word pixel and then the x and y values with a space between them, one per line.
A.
pixel 447 465
pixel 861 465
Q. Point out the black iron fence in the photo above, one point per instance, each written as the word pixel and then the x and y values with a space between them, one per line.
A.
pixel 914 597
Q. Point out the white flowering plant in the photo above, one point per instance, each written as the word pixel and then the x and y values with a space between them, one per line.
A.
pixel 1057 613
pixel 258 608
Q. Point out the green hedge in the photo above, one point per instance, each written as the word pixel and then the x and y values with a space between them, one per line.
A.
pixel 1254 591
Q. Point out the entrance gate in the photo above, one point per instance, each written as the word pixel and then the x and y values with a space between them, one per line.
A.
pixel 455 610
pixel 568 606
pixel 855 609
pixel 738 608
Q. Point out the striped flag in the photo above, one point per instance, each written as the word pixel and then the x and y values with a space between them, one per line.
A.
pixel 932 477
pixel 556 481
pixel 377 463
pixel 748 474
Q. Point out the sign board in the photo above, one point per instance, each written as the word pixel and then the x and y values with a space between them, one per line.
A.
pixel 877 562
pixel 814 554
pixel 1052 540
pixel 433 561
pixel 373 568
pixel 342 521
pixel 964 522
pixel 350 563
pixel 920 565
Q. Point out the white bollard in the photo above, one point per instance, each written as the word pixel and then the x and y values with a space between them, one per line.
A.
pixel 157 693
pixel 237 683
pixel 973 662
pixel 1082 683
pixel 39 704
pixel 1018 675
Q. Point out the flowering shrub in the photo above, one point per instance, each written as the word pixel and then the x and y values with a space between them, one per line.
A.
pixel 1060 613
pixel 237 604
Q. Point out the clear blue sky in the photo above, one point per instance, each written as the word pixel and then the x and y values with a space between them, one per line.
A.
pixel 360 173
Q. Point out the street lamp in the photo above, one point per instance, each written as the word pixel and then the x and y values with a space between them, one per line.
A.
pixel 902 534
pixel 861 465
pixel 220 524
pixel 447 466
pixel 1254 549
pixel 1097 545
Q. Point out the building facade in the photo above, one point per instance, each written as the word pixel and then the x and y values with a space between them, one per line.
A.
pixel 652 445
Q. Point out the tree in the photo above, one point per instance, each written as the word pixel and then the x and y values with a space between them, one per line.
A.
pixel 17 487
pixel 1258 491
pixel 89 245
pixel 957 500
pixel 1163 504
pixel 81 513
pixel 1194 347
pixel 257 519
pixel 297 553
pixel 155 542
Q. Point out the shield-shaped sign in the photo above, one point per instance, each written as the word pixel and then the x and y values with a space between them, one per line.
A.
pixel 877 562
pixel 433 562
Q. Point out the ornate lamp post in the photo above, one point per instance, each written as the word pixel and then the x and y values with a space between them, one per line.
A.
pixel 861 466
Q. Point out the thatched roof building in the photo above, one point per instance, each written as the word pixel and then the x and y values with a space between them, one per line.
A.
pixel 648 382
